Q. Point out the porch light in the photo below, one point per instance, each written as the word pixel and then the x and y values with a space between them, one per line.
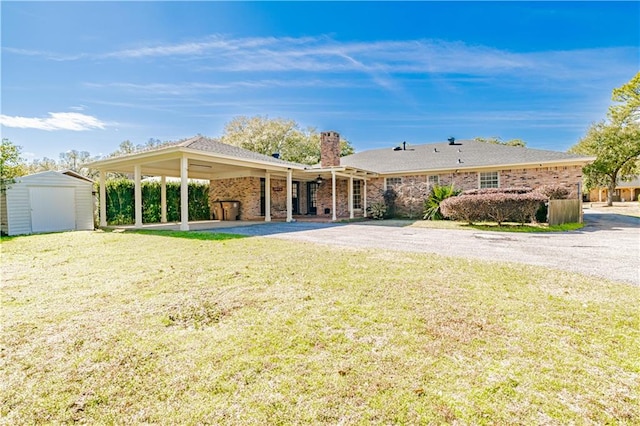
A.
pixel 319 180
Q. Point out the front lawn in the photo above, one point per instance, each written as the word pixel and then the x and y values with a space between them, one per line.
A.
pixel 180 328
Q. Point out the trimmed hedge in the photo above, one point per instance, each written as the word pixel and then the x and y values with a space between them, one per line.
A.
pixel 120 202
pixel 494 204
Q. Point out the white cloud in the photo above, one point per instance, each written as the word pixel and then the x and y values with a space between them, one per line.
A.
pixel 55 121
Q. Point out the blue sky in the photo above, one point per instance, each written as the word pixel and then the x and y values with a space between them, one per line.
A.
pixel 88 75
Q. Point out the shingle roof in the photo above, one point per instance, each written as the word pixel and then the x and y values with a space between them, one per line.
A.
pixel 439 156
pixel 202 143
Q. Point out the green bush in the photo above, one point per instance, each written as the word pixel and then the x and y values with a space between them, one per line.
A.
pixel 377 210
pixel 436 196
pixel 121 207
pixel 390 196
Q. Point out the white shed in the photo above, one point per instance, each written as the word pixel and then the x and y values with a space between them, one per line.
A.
pixel 47 202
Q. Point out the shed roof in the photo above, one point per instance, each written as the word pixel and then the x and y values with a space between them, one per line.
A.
pixel 461 155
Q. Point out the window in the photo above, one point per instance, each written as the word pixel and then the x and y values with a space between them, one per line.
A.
pixel 489 180
pixel 357 194
pixel 391 182
pixel 433 180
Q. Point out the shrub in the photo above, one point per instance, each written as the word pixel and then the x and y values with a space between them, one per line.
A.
pixel 517 205
pixel 377 210
pixel 554 192
pixel 390 196
pixel 436 196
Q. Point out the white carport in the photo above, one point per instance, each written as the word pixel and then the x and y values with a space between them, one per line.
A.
pixel 196 158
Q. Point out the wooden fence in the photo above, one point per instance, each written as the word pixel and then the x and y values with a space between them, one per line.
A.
pixel 565 211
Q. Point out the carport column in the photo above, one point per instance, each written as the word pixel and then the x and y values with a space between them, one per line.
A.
pixel 103 199
pixel 184 194
pixel 267 197
pixel 364 198
pixel 333 195
pixel 163 199
pixel 289 195
pixel 137 195
pixel 350 197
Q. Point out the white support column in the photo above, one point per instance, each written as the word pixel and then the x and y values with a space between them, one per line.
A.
pixel 103 199
pixel 137 194
pixel 267 197
pixel 163 199
pixel 333 195
pixel 184 194
pixel 289 195
pixel 364 197
pixel 350 197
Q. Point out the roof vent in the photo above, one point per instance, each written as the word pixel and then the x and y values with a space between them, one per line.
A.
pixel 276 155
pixel 435 149
pixel 452 140
pixel 397 148
pixel 459 161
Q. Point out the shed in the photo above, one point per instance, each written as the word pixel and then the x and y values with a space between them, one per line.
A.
pixel 49 201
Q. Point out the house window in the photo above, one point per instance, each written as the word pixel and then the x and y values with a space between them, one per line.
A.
pixel 433 180
pixel 357 194
pixel 489 180
pixel 391 182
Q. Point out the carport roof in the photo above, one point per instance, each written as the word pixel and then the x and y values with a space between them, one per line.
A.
pixel 205 145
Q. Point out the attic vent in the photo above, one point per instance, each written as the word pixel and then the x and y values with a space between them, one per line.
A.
pixel 452 140
pixel 459 161
pixel 435 149
pixel 276 155
pixel 397 148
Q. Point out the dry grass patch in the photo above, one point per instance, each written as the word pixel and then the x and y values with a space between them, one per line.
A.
pixel 146 328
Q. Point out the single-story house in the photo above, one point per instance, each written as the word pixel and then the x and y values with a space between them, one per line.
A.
pixel 49 201
pixel 268 187
pixel 626 190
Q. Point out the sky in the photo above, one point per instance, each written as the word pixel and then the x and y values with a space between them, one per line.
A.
pixel 89 75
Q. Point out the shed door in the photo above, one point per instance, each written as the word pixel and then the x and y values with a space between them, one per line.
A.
pixel 52 209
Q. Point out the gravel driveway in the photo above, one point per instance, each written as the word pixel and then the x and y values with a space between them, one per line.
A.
pixel 608 246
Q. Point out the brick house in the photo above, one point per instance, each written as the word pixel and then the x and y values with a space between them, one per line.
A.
pixel 268 187
pixel 626 190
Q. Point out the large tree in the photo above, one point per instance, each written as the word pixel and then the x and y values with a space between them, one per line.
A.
pixel 283 136
pixel 615 142
pixel 11 164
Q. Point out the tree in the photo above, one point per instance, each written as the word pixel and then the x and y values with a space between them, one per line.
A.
pixel 282 136
pixel 614 142
pixel 498 141
pixel 42 165
pixel 11 164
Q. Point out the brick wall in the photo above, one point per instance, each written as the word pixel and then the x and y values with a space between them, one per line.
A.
pixel 247 191
pixel 568 176
pixel 244 189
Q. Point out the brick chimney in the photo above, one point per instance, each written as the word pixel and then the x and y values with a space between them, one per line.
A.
pixel 329 149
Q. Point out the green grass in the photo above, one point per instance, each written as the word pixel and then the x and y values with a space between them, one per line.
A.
pixel 144 327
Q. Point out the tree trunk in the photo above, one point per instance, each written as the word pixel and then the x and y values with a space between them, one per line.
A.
pixel 610 190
